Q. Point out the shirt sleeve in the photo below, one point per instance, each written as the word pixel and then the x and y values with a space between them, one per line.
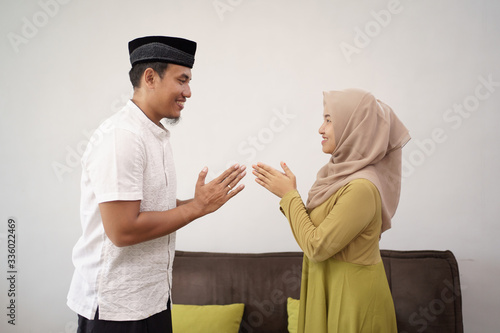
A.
pixel 115 166
pixel 351 213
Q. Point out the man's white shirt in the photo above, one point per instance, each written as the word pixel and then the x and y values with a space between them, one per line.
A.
pixel 128 158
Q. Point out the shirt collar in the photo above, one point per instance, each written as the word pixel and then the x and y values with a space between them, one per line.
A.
pixel 158 131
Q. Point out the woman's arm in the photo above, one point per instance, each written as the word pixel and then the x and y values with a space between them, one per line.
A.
pixel 353 210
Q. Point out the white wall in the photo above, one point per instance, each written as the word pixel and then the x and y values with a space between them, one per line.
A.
pixel 260 70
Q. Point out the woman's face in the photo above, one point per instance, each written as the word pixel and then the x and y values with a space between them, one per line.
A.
pixel 326 131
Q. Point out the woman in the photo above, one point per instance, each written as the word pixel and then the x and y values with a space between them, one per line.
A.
pixel 344 287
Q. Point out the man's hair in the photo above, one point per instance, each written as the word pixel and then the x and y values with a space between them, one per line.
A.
pixel 137 70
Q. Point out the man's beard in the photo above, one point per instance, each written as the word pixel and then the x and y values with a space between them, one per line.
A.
pixel 172 121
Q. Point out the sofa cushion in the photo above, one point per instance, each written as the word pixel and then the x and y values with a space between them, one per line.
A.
pixel 292 309
pixel 207 318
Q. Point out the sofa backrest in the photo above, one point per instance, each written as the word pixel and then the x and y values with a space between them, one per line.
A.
pixel 261 281
pixel 425 287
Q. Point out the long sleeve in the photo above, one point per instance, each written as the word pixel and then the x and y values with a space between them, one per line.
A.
pixel 349 212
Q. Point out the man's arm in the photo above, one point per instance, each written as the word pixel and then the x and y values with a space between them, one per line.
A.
pixel 183 202
pixel 126 225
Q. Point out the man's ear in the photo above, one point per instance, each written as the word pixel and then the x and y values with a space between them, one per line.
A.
pixel 149 78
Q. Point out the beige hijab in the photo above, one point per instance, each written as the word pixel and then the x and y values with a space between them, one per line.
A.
pixel 369 138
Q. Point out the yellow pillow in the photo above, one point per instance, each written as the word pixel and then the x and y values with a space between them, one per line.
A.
pixel 207 318
pixel 292 307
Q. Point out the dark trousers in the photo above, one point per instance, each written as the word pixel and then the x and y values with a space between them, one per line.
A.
pixel 160 322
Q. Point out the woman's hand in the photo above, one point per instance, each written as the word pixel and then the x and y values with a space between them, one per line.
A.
pixel 275 181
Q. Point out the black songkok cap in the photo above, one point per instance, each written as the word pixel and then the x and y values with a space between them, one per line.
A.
pixel 172 50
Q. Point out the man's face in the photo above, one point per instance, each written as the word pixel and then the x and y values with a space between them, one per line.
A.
pixel 171 92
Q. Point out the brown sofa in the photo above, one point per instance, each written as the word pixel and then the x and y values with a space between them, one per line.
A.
pixel 425 287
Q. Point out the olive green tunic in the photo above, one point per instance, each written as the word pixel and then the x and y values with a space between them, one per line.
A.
pixel 344 287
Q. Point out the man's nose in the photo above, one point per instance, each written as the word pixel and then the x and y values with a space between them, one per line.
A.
pixel 187 91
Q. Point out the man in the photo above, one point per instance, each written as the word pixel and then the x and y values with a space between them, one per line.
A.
pixel 129 211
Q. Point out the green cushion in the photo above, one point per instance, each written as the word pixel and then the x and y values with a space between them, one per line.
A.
pixel 292 307
pixel 207 318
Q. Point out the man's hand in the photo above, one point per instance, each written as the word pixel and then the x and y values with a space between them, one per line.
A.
pixel 275 181
pixel 126 225
pixel 211 196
